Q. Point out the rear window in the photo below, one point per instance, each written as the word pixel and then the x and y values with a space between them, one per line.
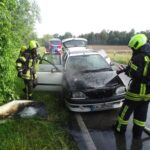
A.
pixel 55 42
pixel 75 43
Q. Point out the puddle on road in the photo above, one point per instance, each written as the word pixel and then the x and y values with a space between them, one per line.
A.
pixel 99 125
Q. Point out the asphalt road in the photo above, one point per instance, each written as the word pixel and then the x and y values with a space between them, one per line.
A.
pixel 100 133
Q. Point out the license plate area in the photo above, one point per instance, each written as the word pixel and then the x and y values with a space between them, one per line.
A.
pixel 105 106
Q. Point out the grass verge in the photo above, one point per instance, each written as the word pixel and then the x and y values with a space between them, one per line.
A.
pixel 122 58
pixel 38 133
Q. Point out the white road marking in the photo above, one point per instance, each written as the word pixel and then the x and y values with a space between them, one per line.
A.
pixel 86 135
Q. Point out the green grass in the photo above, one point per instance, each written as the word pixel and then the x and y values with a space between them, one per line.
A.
pixel 122 58
pixel 38 133
pixel 32 134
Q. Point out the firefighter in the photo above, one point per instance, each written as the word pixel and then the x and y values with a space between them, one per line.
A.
pixel 26 66
pixel 18 64
pixel 137 96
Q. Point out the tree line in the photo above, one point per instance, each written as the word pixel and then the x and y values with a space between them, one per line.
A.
pixel 104 37
pixel 111 37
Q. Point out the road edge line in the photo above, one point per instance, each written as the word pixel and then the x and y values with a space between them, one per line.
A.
pixel 86 135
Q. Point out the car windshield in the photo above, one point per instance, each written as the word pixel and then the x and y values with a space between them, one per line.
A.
pixel 89 63
pixel 75 43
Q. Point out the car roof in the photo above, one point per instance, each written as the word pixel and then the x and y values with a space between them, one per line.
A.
pixel 55 39
pixel 69 39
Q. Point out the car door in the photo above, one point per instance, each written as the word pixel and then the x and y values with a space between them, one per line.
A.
pixel 50 74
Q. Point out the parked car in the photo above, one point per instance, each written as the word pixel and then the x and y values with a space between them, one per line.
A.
pixel 86 81
pixel 74 44
pixel 54 46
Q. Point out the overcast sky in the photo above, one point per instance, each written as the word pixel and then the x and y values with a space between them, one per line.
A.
pixel 85 16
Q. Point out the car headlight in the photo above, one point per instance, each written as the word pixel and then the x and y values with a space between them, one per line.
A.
pixel 78 95
pixel 120 90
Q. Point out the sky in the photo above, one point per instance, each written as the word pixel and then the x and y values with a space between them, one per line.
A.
pixel 85 16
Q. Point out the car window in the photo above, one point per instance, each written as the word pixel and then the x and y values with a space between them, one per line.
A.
pixel 75 43
pixel 47 59
pixel 86 62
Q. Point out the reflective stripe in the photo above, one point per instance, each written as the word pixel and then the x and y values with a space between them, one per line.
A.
pixel 147 60
pixel 142 89
pixel 133 66
pixel 132 94
pixel 139 123
pixel 27 75
pixel 121 122
pixel 124 111
pixel 120 119
pixel 30 63
pixel 19 65
pixel 22 58
pixel 132 98
pixel 137 97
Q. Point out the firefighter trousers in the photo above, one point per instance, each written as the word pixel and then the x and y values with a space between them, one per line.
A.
pixel 29 85
pixel 139 110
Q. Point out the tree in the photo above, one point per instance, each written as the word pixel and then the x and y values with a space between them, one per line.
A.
pixel 17 19
pixel 44 41
pixel 103 37
pixel 67 35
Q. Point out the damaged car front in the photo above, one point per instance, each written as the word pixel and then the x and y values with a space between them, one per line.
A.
pixel 90 84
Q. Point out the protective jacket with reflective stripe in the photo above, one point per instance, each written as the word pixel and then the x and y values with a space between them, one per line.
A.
pixel 26 63
pixel 139 71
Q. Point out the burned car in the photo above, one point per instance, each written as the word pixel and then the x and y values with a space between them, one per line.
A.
pixel 86 81
pixel 90 84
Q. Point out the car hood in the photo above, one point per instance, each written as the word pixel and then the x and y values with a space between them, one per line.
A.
pixel 93 80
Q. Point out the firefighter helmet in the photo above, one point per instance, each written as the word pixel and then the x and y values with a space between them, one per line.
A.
pixel 33 44
pixel 137 41
pixel 23 48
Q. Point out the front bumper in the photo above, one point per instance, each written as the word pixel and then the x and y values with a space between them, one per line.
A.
pixel 94 107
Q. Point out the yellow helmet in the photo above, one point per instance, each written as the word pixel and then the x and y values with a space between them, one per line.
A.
pixel 23 48
pixel 33 44
pixel 137 41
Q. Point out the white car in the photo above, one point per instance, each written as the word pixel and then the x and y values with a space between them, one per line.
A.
pixel 75 44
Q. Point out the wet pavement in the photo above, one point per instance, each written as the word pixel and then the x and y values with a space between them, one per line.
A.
pixel 99 125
